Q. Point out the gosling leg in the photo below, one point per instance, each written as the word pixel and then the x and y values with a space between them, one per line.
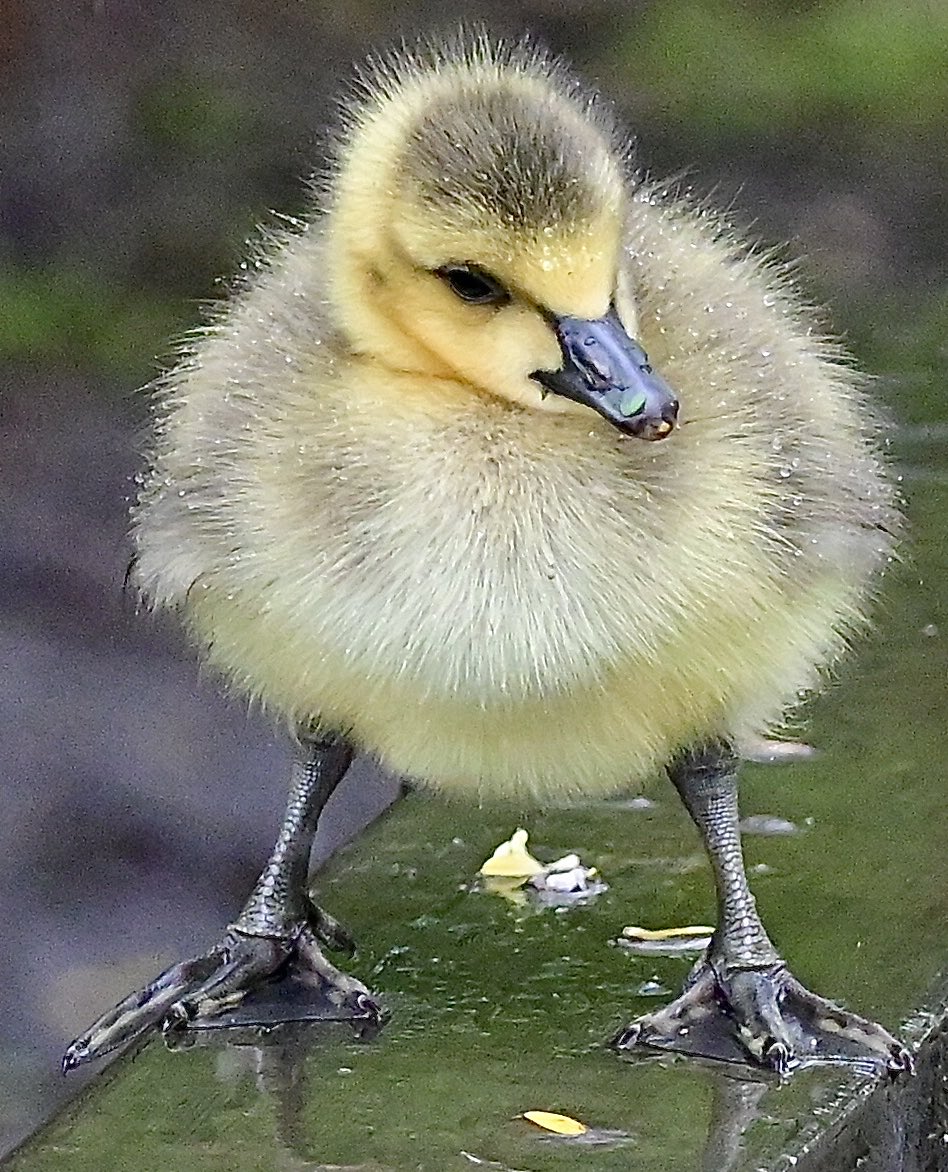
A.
pixel 776 1020
pixel 278 930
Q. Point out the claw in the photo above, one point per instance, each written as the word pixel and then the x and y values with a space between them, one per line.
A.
pixel 178 1017
pixel 74 1057
pixel 901 1061
pixel 627 1037
pixel 778 1055
pixel 366 1006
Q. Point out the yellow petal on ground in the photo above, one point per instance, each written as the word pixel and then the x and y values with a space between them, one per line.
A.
pixel 558 1124
pixel 636 933
pixel 512 859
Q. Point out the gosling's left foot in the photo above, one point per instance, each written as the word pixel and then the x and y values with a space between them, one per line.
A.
pixel 200 990
pixel 764 1014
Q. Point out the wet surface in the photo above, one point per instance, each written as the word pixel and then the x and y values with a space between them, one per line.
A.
pixel 498 1007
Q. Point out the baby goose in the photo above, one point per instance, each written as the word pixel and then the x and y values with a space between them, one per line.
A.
pixel 406 492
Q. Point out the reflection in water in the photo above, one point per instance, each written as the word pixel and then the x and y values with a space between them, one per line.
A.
pixel 737 1094
pixel 734 1107
pixel 279 1063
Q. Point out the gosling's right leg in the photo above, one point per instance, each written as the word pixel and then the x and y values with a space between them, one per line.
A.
pixel 278 930
pixel 743 984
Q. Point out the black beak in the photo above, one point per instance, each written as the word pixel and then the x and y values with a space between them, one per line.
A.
pixel 605 369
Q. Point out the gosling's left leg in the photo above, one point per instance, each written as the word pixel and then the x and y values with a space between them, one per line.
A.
pixel 776 1019
pixel 279 932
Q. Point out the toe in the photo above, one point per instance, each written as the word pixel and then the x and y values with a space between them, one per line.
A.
pixel 666 1027
pixel 76 1053
pixel 138 1012
pixel 249 960
pixel 829 1024
pixel 753 998
pixel 312 966
pixel 329 931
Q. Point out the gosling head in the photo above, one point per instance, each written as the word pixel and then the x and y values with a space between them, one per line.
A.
pixel 476 236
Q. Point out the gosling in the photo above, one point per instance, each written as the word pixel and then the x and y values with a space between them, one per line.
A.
pixel 525 475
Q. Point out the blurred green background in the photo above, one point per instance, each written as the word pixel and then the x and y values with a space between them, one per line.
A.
pixel 141 144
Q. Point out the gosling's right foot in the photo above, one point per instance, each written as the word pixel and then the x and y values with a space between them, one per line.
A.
pixel 195 991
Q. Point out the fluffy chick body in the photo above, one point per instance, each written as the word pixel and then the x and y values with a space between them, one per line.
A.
pixel 493 593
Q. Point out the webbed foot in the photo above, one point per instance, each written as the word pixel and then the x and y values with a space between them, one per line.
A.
pixel 764 1014
pixel 197 992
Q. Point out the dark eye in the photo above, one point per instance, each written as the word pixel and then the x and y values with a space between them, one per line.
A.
pixel 473 285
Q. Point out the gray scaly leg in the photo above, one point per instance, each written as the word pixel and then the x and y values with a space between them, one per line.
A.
pixel 742 980
pixel 278 929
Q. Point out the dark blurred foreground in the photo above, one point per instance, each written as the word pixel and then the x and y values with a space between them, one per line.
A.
pixel 138 806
